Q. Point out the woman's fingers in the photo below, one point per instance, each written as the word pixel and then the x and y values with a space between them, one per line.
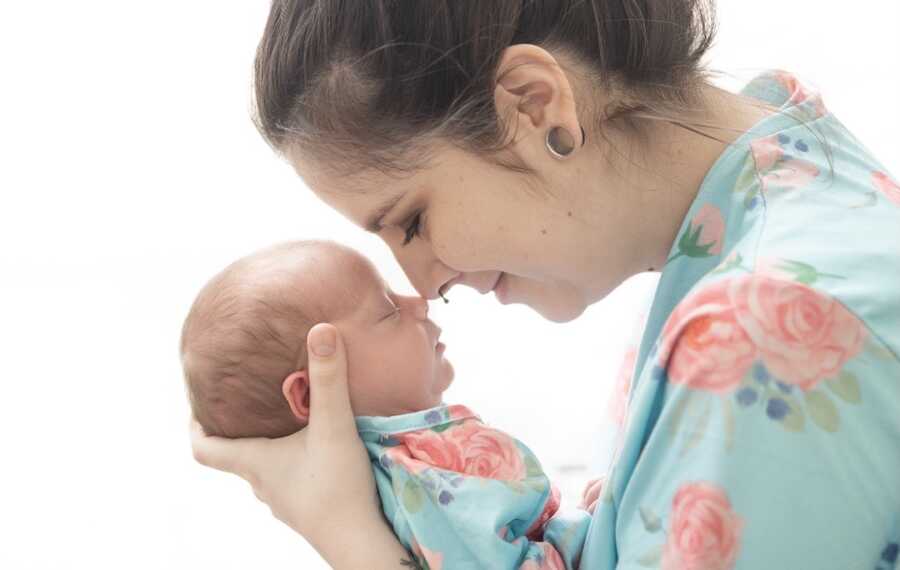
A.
pixel 591 494
pixel 587 489
pixel 330 414
pixel 231 455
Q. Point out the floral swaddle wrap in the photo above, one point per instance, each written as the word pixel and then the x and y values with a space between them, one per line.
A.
pixel 460 494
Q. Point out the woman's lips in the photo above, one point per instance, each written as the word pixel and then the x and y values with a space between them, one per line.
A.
pixel 497 282
pixel 481 288
pixel 499 289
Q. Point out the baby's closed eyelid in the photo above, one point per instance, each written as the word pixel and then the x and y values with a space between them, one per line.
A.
pixel 390 315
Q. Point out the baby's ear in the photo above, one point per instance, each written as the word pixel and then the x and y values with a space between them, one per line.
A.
pixel 296 390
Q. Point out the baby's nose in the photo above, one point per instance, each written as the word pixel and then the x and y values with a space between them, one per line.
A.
pixel 420 308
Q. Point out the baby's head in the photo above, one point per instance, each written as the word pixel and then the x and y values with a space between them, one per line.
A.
pixel 243 344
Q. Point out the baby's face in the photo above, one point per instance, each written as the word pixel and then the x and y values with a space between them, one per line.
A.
pixel 395 363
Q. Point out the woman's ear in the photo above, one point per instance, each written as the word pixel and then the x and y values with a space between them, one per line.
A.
pixel 296 390
pixel 533 93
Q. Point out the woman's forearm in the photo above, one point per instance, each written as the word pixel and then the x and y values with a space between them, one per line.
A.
pixel 356 544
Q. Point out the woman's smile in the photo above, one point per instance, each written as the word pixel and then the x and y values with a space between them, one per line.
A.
pixel 500 290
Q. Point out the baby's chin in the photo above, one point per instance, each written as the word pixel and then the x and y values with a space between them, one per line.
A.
pixel 445 375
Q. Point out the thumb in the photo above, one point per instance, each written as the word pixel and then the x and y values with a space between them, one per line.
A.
pixel 330 414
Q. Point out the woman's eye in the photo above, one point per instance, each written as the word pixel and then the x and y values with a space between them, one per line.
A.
pixel 412 229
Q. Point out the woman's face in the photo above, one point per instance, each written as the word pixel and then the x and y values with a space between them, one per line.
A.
pixel 464 221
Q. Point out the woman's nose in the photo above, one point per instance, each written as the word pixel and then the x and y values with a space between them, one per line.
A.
pixel 426 273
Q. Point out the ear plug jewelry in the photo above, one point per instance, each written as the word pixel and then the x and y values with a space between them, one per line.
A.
pixel 560 143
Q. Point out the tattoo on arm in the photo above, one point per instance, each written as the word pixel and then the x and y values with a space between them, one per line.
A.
pixel 411 564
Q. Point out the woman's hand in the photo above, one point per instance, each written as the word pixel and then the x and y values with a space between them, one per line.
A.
pixel 319 480
pixel 591 494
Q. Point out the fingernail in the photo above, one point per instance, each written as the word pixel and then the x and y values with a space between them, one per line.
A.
pixel 322 341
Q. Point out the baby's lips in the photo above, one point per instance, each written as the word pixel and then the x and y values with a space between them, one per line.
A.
pixel 435 331
pixel 437 337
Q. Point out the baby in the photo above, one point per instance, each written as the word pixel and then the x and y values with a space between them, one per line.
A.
pixel 458 493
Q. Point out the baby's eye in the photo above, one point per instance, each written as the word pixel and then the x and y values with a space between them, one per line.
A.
pixel 395 312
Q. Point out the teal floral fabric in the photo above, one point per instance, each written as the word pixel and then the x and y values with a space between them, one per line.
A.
pixel 461 494
pixel 759 417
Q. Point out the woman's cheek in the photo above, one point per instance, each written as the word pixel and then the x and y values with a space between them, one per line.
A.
pixel 460 241
pixel 452 250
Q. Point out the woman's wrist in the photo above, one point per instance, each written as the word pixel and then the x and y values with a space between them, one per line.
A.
pixel 360 543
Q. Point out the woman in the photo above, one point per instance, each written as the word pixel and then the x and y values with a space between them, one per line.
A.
pixel 546 151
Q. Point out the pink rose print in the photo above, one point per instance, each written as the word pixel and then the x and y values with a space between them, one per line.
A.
pixel 703 236
pixel 791 173
pixel 704 531
pixel 766 152
pixel 549 560
pixel 619 400
pixel 702 344
pixel 433 560
pixel 800 94
pixel 886 186
pixel 535 532
pixel 802 335
pixel 459 412
pixel 486 452
pixel 710 219
pixel 778 170
pixel 470 447
pixel 426 448
pixel 400 455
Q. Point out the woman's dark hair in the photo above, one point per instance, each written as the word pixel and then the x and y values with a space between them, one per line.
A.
pixel 362 81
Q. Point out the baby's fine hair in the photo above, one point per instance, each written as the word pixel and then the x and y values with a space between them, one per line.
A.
pixel 244 334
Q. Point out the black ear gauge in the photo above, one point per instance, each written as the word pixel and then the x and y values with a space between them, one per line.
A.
pixel 583 136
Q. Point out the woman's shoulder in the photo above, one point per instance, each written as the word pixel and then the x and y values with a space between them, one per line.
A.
pixel 783 317
pixel 777 352
pixel 813 211
pixel 804 146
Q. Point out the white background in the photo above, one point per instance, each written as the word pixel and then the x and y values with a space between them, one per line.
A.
pixel 130 173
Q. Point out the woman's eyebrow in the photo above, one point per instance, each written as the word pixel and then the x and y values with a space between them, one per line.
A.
pixel 373 224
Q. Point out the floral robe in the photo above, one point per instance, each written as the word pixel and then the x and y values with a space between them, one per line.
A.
pixel 760 413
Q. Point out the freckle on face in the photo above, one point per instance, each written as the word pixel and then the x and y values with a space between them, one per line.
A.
pixel 543 231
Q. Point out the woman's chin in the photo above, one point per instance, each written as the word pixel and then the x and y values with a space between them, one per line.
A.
pixel 560 314
pixel 559 303
pixel 557 310
pixel 556 314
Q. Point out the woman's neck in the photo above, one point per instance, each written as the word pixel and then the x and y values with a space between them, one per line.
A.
pixel 653 186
